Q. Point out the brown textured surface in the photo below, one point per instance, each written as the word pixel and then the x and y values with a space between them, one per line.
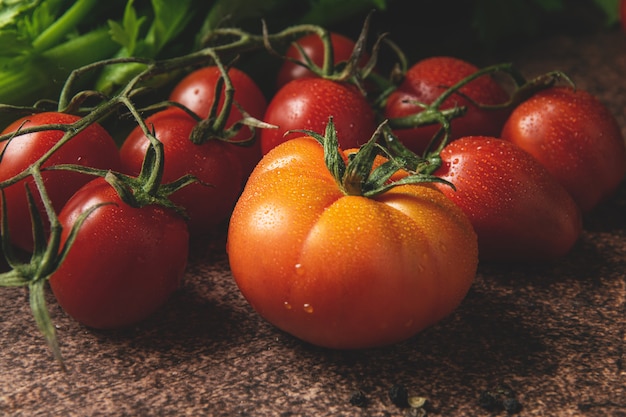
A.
pixel 554 333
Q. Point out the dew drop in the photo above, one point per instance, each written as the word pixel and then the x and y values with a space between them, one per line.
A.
pixel 299 269
pixel 308 308
pixel 287 305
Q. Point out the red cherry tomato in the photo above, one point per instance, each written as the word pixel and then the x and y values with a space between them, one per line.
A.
pixel 92 147
pixel 197 92
pixel 519 211
pixel 313 48
pixel 576 138
pixel 216 164
pixel 308 103
pixel 125 262
pixel 426 80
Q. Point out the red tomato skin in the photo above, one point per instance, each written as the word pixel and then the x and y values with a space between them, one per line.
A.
pixel 308 103
pixel 92 147
pixel 215 163
pixel 576 138
pixel 125 262
pixel 346 272
pixel 313 47
pixel 197 92
pixel 426 80
pixel 518 210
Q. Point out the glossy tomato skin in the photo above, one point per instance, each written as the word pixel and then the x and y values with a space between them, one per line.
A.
pixel 346 272
pixel 426 80
pixel 576 138
pixel 308 103
pixel 92 147
pixel 125 262
pixel 216 165
pixel 313 48
pixel 197 92
pixel 519 211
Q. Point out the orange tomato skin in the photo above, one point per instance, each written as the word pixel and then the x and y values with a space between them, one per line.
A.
pixel 341 271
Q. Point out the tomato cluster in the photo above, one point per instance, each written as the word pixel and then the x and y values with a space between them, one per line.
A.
pixel 357 210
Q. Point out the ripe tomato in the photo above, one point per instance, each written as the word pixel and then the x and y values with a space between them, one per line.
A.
pixel 313 48
pixel 425 81
pixel 215 163
pixel 125 262
pixel 575 137
pixel 92 147
pixel 308 103
pixel 346 271
pixel 197 92
pixel 519 211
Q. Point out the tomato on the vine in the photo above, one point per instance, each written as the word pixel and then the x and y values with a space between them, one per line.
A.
pixel 346 271
pixel 124 263
pixel 215 163
pixel 518 209
pixel 93 147
pixel 313 48
pixel 197 92
pixel 307 104
pixel 575 137
pixel 425 81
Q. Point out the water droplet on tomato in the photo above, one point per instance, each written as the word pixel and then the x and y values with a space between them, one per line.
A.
pixel 287 305
pixel 308 308
pixel 299 269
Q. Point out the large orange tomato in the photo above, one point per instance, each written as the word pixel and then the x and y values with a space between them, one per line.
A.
pixel 340 270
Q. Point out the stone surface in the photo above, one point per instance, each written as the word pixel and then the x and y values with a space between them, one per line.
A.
pixel 553 333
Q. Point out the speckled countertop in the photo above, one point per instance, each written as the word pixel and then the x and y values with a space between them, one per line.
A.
pixel 554 333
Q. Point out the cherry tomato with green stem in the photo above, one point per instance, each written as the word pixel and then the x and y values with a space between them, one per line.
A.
pixel 425 81
pixel 197 91
pixel 575 136
pixel 125 261
pixel 215 163
pixel 313 48
pixel 92 147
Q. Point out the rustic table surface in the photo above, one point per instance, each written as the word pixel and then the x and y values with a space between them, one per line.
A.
pixel 552 333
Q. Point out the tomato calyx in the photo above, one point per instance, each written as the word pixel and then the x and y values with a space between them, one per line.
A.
pixel 361 176
pixel 432 112
pixel 213 127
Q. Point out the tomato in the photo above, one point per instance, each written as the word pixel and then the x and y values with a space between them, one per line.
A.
pixel 197 92
pixel 215 163
pixel 518 209
pixel 92 147
pixel 308 103
pixel 575 137
pixel 425 81
pixel 346 271
pixel 125 262
pixel 313 48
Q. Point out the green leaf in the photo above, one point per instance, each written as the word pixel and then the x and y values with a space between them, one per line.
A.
pixel 13 44
pixel 170 18
pixel 11 10
pixel 127 33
